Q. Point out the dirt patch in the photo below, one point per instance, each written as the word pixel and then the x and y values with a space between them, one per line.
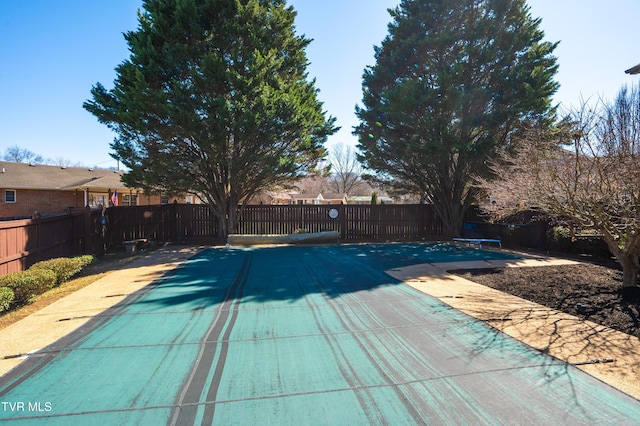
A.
pixel 588 291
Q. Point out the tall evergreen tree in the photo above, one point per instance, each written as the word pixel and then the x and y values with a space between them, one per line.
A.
pixel 453 81
pixel 214 100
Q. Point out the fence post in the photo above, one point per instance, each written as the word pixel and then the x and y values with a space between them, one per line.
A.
pixel 87 241
pixel 176 215
pixel 301 225
pixel 38 222
pixel 343 221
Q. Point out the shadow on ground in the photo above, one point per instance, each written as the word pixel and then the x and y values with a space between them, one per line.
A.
pixel 292 272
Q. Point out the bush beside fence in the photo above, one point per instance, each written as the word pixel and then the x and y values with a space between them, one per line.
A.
pixel 6 297
pixel 64 267
pixel 28 284
pixel 19 288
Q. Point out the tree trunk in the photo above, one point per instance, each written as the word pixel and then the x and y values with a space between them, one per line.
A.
pixel 227 213
pixel 231 219
pixel 223 231
pixel 629 276
pixel 452 228
pixel 628 257
pixel 225 221
pixel 452 217
pixel 630 269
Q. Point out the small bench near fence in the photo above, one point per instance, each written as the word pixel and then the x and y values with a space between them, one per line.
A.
pixel 479 241
pixel 132 246
pixel 473 233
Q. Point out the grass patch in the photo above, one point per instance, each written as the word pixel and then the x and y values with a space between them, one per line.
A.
pixel 100 268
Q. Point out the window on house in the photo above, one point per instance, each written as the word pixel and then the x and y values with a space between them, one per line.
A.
pixel 129 200
pixel 164 199
pixel 188 200
pixel 10 196
pixel 98 200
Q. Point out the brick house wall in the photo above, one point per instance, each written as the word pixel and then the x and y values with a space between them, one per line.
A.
pixel 28 201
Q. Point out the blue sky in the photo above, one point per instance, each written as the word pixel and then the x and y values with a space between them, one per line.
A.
pixel 53 51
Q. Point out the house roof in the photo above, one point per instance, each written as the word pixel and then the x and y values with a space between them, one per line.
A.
pixel 317 196
pixel 367 199
pixel 340 196
pixel 39 176
pixel 282 195
pixel 311 196
pixel 360 198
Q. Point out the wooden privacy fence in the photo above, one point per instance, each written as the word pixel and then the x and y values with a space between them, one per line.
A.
pixel 191 222
pixel 353 222
pixel 26 241
pixel 166 222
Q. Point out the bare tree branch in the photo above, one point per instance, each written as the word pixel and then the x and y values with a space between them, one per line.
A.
pixel 587 170
pixel 346 169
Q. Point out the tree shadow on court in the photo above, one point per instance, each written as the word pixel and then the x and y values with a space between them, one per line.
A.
pixel 293 273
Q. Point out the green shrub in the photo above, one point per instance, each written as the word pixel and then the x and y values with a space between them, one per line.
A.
pixel 27 284
pixel 6 297
pixel 64 267
pixel 559 238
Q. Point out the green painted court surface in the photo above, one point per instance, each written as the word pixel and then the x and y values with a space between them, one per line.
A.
pixel 300 335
